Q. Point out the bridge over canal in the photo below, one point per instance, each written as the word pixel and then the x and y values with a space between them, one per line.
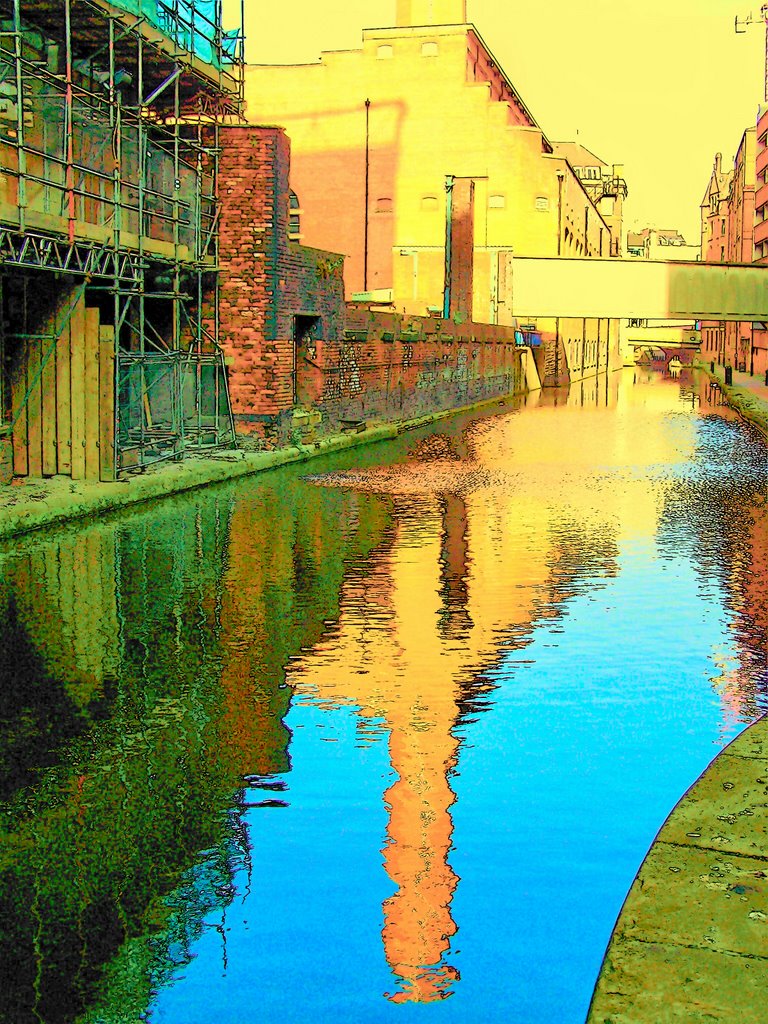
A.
pixel 574 287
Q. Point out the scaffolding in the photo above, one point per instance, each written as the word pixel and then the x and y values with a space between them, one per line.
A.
pixel 109 116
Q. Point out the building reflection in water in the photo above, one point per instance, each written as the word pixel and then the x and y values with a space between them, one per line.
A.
pixel 722 513
pixel 140 679
pixel 473 562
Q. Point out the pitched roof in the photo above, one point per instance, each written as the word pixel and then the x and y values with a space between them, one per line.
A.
pixel 577 155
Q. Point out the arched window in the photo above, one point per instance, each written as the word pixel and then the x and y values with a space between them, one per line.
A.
pixel 294 217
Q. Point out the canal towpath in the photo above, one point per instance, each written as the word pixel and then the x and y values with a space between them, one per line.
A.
pixel 691 942
pixel 29 504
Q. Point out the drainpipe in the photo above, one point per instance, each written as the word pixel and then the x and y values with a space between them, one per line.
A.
pixel 367 189
pixel 560 179
pixel 449 180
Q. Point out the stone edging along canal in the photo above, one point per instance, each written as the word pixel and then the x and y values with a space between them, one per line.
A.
pixel 691 942
pixel 746 402
pixel 36 504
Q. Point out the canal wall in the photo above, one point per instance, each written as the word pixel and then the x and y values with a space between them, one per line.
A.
pixel 576 348
pixel 690 942
pixel 746 394
pixel 35 504
pixel 391 368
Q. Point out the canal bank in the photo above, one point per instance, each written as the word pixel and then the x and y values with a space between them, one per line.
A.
pixel 747 394
pixel 33 504
pixel 691 940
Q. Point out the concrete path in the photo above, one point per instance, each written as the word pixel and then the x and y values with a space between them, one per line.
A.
pixel 747 394
pixel 691 943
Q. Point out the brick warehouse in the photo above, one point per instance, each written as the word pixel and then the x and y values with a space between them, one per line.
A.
pixel 298 356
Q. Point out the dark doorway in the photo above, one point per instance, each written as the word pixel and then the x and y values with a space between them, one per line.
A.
pixel 306 331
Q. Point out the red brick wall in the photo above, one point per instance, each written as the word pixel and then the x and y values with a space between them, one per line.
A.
pixel 389 367
pixel 462 248
pixel 265 279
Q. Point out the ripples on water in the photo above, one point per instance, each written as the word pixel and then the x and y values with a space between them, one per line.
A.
pixel 454 684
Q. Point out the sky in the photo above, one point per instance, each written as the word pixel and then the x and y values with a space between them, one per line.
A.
pixel 659 86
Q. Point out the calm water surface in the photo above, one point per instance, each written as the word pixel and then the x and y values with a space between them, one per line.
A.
pixel 385 743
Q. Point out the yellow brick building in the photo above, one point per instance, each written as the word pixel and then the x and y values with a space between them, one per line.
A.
pixel 377 133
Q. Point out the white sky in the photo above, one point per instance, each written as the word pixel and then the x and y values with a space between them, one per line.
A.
pixel 657 85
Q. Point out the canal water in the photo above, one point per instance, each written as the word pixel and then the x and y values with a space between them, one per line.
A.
pixel 383 743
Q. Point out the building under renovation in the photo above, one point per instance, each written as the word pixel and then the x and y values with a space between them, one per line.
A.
pixel 108 232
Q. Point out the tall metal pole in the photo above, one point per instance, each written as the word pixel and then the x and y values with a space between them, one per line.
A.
pixel 20 142
pixel 70 128
pixel 367 190
pixel 449 182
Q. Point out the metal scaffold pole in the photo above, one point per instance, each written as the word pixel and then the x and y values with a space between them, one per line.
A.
pixel 112 158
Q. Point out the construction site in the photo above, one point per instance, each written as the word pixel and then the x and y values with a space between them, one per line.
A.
pixel 109 118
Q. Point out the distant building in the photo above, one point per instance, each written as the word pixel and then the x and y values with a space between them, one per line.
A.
pixel 714 214
pixel 732 211
pixel 604 185
pixel 761 186
pixel 661 244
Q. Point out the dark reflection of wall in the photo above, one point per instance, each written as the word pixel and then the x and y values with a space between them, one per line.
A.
pixel 142 678
pixel 455 620
pixel 719 515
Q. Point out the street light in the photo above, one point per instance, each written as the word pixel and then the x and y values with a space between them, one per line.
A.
pixel 741 25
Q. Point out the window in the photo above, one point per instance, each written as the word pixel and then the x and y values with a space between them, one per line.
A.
pixel 384 204
pixel 542 204
pixel 294 217
pixel 429 202
pixel 429 49
pixel 385 52
pixel 497 202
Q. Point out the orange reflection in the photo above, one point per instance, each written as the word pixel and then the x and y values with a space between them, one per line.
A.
pixel 431 613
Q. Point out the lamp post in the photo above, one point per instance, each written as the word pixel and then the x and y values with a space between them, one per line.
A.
pixel 742 24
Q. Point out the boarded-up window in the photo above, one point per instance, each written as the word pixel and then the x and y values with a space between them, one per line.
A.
pixel 294 217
